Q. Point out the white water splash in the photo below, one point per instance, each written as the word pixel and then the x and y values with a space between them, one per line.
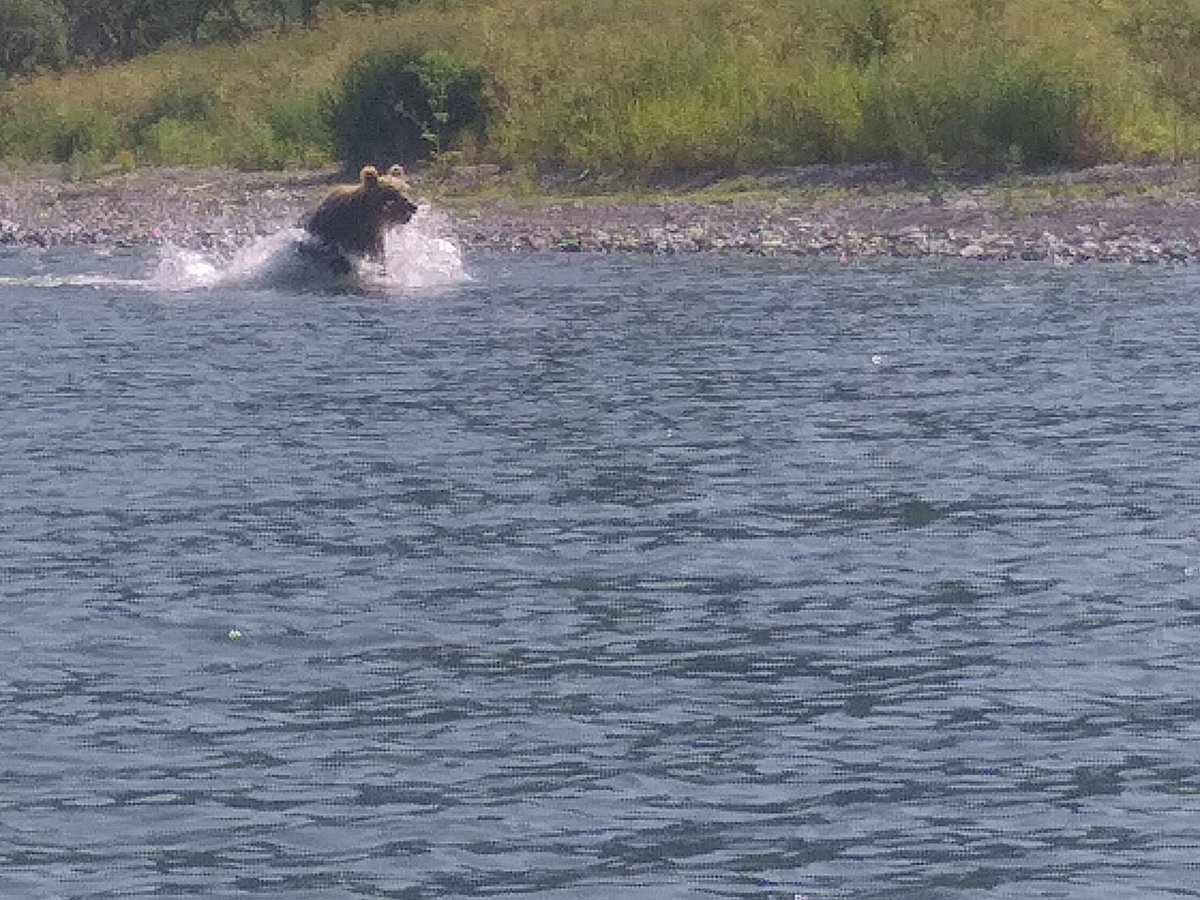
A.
pixel 423 254
pixel 183 270
pixel 59 281
pixel 419 256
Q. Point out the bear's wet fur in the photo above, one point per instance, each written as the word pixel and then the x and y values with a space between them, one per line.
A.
pixel 353 218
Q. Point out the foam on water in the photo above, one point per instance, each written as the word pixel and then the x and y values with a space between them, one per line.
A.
pixel 86 280
pixel 423 253
pixel 180 269
pixel 420 256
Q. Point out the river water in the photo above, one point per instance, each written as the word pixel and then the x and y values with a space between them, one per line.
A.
pixel 572 576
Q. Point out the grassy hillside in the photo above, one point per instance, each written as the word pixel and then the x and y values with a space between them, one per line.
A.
pixel 641 87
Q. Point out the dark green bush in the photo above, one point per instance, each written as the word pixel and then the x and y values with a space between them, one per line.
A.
pixel 402 106
pixel 985 112
pixel 33 35
pixel 867 31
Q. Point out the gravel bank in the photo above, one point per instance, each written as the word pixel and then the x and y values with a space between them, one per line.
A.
pixel 1116 213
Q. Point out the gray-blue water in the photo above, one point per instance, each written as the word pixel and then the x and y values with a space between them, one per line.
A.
pixel 601 578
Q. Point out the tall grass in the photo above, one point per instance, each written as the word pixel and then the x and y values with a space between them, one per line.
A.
pixel 651 86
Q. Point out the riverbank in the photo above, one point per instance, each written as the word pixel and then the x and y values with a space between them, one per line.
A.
pixel 1119 213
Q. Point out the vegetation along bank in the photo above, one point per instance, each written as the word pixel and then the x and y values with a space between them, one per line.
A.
pixel 1037 129
pixel 634 90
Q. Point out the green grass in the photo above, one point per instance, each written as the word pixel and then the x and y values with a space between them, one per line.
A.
pixel 646 88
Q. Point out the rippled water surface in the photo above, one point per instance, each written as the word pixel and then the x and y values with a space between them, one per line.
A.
pixel 601 578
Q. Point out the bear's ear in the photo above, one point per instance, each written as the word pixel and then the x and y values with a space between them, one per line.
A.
pixel 369 176
pixel 398 176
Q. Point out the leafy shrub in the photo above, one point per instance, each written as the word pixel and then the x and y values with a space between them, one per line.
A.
pixel 814 119
pixel 223 23
pixel 301 124
pixel 175 127
pixel 402 106
pixel 176 142
pixel 252 146
pixel 64 135
pixel 983 112
pixel 1166 35
pixel 33 35
pixel 867 31
pixel 177 101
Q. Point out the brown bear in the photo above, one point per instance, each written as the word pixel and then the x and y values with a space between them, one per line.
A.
pixel 354 217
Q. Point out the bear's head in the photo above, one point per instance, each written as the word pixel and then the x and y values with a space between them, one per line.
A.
pixel 389 196
pixel 353 218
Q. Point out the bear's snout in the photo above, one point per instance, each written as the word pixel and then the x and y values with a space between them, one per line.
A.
pixel 400 210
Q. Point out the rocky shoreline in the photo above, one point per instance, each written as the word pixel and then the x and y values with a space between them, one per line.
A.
pixel 1120 213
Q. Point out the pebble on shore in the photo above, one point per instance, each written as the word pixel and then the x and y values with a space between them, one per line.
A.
pixel 1121 214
